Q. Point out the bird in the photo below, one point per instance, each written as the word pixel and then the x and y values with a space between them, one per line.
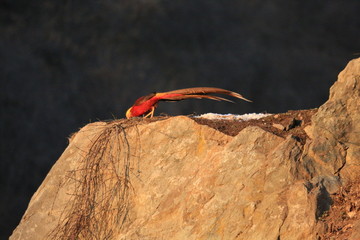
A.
pixel 146 105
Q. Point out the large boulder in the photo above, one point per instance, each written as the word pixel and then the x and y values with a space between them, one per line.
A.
pixel 176 179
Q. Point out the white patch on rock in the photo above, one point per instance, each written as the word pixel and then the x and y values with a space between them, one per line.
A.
pixel 244 117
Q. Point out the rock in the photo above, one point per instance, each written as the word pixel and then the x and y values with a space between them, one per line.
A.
pixel 356 231
pixel 308 131
pixel 336 127
pixel 278 126
pixel 177 179
pixel 292 124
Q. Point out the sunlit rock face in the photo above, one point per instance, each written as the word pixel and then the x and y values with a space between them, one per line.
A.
pixel 177 179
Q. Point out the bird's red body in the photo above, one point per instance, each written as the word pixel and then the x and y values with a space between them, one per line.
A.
pixel 146 106
pixel 148 103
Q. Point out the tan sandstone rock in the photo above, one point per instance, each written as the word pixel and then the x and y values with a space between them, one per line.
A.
pixel 176 179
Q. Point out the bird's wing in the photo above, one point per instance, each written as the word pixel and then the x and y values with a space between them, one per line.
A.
pixel 200 92
pixel 142 99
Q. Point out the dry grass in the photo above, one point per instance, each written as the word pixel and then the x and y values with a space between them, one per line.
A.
pixel 100 202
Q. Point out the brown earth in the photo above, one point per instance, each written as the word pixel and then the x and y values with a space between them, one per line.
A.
pixel 281 124
pixel 292 123
pixel 344 215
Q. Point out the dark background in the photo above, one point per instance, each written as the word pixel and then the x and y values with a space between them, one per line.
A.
pixel 66 63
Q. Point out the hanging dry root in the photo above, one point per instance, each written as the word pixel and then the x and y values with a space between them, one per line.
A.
pixel 100 202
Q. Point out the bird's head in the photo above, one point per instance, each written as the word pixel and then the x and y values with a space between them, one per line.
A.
pixel 128 113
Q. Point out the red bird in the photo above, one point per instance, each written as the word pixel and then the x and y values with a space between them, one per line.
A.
pixel 147 104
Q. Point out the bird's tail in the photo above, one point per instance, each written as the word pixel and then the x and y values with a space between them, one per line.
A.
pixel 198 96
pixel 200 92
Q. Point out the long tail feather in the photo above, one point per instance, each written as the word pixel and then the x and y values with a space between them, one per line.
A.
pixel 182 97
pixel 207 90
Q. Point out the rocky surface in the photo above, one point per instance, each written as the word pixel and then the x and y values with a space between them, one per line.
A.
pixel 184 178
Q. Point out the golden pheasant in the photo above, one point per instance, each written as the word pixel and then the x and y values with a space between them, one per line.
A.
pixel 147 104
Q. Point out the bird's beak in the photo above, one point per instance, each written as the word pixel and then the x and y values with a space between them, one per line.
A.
pixel 128 113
